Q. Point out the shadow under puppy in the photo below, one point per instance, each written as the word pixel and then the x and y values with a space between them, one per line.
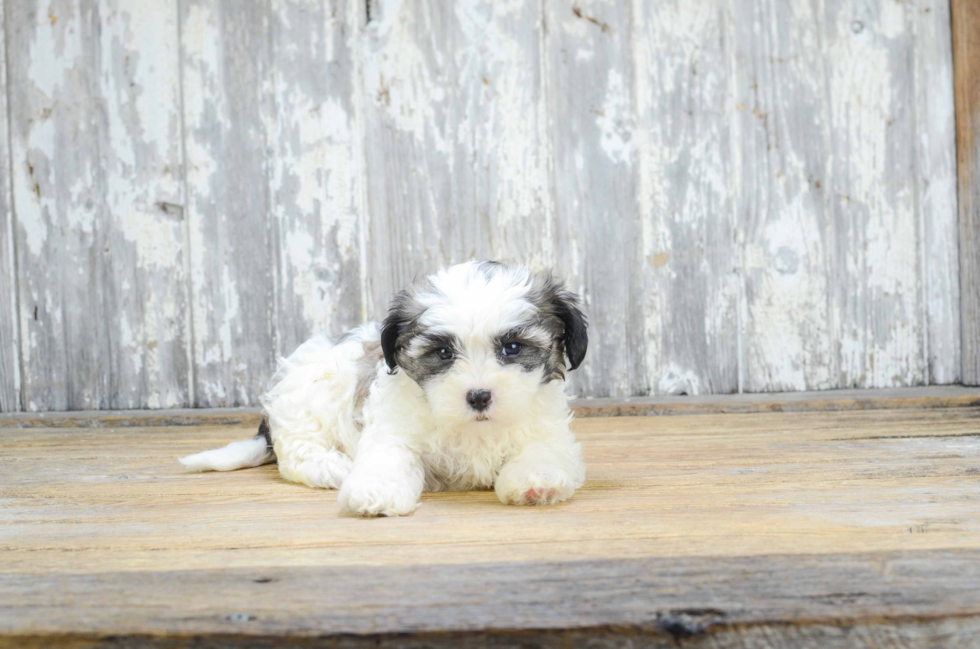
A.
pixel 461 387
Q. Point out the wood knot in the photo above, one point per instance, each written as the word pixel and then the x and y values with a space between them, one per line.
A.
pixel 687 623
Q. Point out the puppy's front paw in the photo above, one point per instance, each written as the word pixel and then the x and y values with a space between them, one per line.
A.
pixel 544 486
pixel 364 496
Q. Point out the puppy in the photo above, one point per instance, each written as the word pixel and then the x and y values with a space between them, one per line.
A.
pixel 461 387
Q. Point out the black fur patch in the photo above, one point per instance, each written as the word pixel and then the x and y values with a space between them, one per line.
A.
pixel 490 267
pixel 398 330
pixel 531 356
pixel 559 313
pixel 428 365
pixel 265 432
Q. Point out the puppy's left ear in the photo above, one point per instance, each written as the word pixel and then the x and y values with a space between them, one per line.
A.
pixel 576 341
pixel 392 328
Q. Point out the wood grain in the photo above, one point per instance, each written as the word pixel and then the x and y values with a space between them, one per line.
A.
pixel 685 284
pixel 593 130
pixel 783 183
pixel 935 177
pixel 9 336
pixel 228 104
pixel 876 285
pixel 789 529
pixel 750 197
pixel 966 65
pixel 316 185
pixel 455 140
pixel 89 501
pixel 95 145
pixel 656 602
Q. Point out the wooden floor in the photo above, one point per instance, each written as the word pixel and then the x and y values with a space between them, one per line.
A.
pixel 837 528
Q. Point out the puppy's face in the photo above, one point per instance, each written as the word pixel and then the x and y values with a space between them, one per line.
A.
pixel 481 339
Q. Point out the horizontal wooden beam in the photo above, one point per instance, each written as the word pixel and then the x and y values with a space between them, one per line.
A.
pixel 830 400
pixel 895 599
pixel 948 396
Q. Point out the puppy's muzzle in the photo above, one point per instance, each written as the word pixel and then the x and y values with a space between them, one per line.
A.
pixel 479 400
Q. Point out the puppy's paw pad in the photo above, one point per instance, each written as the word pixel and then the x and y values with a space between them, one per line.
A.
pixel 533 489
pixel 540 496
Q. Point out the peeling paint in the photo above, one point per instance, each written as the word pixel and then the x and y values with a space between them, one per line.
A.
pixel 615 120
pixel 201 185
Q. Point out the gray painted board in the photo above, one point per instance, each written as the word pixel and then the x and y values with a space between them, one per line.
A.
pixel 749 196
pixel 455 140
pixel 316 189
pixel 593 130
pixel 228 109
pixel 935 176
pixel 847 184
pixel 786 224
pixel 876 282
pixel 93 90
pixel 9 351
pixel 686 282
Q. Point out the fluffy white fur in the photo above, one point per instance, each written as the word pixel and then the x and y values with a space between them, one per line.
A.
pixel 237 455
pixel 341 418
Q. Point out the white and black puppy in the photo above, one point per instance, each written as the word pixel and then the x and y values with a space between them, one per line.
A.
pixel 461 387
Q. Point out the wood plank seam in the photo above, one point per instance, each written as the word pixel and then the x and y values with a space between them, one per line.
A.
pixel 830 401
pixel 186 225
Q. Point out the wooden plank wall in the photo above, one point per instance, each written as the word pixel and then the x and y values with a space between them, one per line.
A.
pixel 749 196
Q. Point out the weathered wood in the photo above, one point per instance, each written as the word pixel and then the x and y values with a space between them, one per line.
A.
pixel 684 328
pixel 934 165
pixel 228 109
pixel 966 65
pixel 749 196
pixel 876 284
pixel 590 104
pixel 93 88
pixel 826 400
pixel 653 601
pixel 9 338
pixel 772 529
pixel 316 170
pixel 883 256
pixel 455 140
pixel 667 632
pixel 823 401
pixel 785 223
pixel 88 501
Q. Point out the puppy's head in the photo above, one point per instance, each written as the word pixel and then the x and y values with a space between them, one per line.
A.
pixel 481 339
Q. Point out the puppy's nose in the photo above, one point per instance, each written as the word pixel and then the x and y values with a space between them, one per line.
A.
pixel 479 400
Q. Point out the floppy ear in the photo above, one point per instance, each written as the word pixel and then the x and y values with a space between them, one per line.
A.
pixel 392 328
pixel 576 340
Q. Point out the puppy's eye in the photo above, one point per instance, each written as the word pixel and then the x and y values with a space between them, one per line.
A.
pixel 444 353
pixel 512 349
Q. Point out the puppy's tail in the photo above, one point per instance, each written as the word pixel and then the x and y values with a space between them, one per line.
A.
pixel 237 455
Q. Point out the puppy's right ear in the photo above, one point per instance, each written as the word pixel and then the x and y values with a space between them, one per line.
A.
pixel 392 329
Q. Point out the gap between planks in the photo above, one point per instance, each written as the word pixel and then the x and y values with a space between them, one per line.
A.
pixel 946 396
